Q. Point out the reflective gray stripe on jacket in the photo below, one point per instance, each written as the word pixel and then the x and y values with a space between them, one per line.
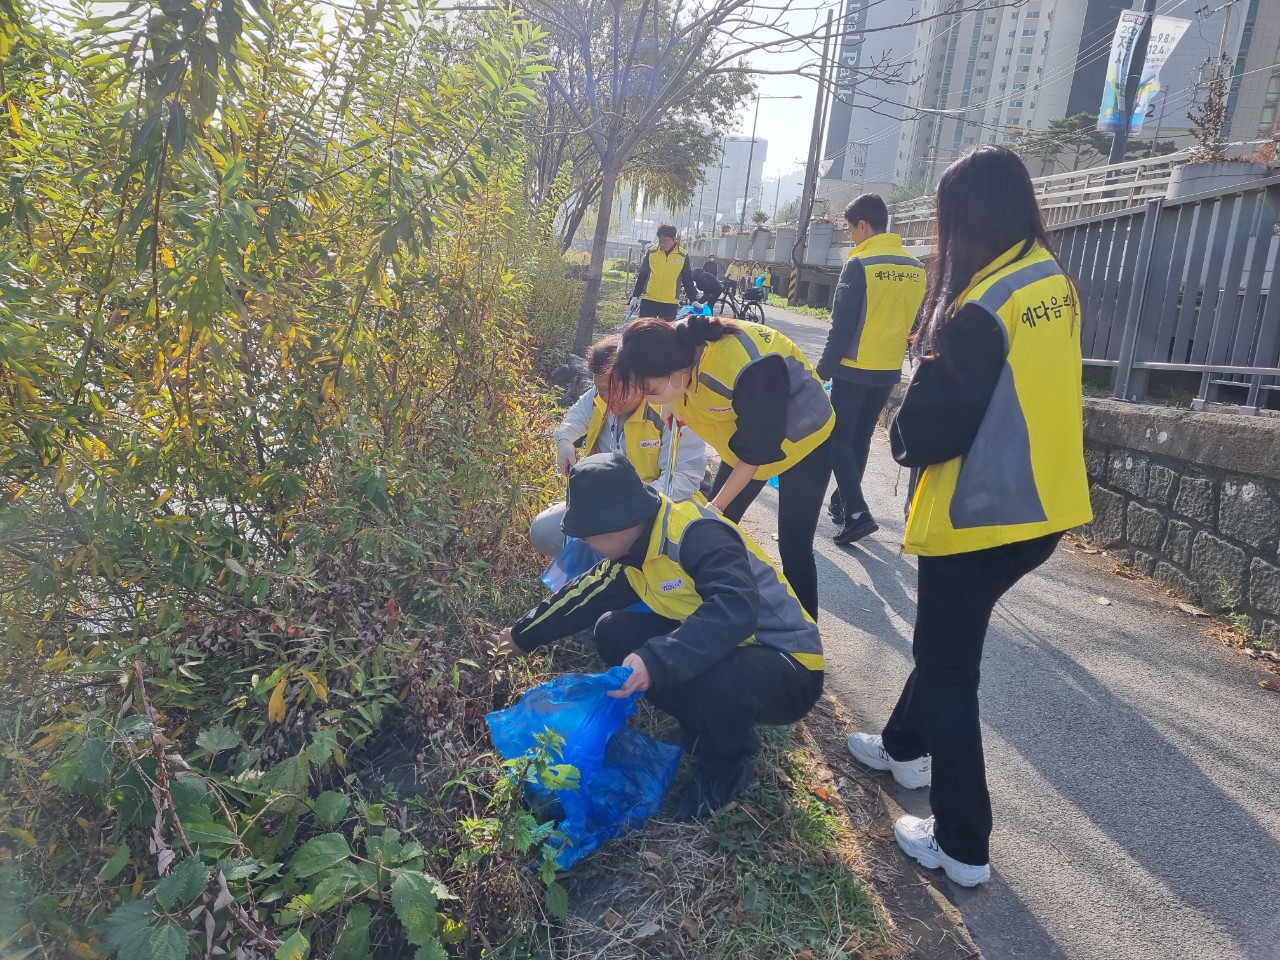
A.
pixel 781 624
pixel 808 408
pixel 997 485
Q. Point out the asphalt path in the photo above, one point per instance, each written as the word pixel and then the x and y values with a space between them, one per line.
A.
pixel 1133 759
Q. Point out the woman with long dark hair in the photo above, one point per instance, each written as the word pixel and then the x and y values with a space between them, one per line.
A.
pixel 752 395
pixel 993 422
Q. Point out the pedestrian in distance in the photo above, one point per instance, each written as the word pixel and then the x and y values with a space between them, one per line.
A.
pixel 663 271
pixel 608 418
pixel 731 277
pixel 993 421
pixel 712 266
pixel 877 299
pixel 751 394
pixel 727 645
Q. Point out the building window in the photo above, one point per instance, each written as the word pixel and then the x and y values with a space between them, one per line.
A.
pixel 1014 103
pixel 968 139
pixel 1026 51
pixel 1008 51
pixel 1002 88
pixel 984 56
pixel 982 73
pixel 1029 33
pixel 1024 69
pixel 1013 33
pixel 1032 15
pixel 1019 86
pixel 988 37
pixel 991 19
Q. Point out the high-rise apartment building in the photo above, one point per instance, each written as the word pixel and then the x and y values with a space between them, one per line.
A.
pixel 985 75
pixel 874 61
pixel 1253 105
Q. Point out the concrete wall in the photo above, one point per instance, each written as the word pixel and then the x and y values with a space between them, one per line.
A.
pixel 1191 499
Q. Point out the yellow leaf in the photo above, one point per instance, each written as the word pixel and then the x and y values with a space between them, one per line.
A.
pixel 166 257
pixel 15 119
pixel 26 836
pixel 275 709
pixel 319 686
pixel 82 949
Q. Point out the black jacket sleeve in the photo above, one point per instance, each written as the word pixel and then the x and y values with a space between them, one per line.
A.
pixel 713 554
pixel 760 400
pixel 575 606
pixel 686 278
pixel 708 286
pixel 950 390
pixel 642 277
pixel 848 317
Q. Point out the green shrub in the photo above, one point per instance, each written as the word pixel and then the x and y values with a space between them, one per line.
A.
pixel 266 375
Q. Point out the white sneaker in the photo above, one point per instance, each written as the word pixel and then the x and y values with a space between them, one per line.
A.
pixel 915 837
pixel 868 749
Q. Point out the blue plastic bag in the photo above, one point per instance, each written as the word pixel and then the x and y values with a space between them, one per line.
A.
pixel 570 563
pixel 624 776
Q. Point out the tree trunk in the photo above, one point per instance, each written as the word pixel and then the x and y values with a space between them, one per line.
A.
pixel 571 226
pixel 599 241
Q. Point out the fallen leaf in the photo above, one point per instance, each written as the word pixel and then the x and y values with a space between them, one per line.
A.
pixel 689 927
pixel 1088 550
pixel 613 919
pixel 1104 601
pixel 1269 685
pixel 822 793
pixel 653 858
pixel 1194 611
pixel 648 930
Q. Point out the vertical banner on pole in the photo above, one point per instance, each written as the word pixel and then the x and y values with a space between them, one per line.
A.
pixel 1165 34
pixel 1112 116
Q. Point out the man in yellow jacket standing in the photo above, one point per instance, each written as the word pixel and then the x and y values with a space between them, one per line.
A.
pixel 662 271
pixel 877 299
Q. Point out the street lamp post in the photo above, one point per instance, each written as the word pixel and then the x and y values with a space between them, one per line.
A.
pixel 751 153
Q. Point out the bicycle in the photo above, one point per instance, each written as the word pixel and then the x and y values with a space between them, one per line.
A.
pixel 750 306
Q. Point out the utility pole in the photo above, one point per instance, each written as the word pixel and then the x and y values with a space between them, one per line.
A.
pixel 1222 70
pixel 1137 60
pixel 751 153
pixel 715 214
pixel 811 165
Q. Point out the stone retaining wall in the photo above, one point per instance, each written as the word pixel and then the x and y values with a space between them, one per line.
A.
pixel 1192 500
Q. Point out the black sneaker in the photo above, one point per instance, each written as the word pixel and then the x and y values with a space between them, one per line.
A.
pixel 854 530
pixel 714 785
pixel 836 512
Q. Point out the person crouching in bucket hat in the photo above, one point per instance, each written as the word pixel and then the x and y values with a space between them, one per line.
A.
pixel 727 644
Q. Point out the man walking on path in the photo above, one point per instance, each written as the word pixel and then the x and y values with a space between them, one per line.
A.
pixel 665 268
pixel 877 299
pixel 712 266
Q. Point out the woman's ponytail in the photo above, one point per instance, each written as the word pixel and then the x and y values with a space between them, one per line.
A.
pixel 700 329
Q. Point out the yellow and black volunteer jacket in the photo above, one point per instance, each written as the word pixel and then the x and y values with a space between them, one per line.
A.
pixel 877 298
pixel 661 273
pixel 696 567
pixel 993 416
pixel 755 398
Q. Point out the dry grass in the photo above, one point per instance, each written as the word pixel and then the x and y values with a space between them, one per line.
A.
pixel 779 874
